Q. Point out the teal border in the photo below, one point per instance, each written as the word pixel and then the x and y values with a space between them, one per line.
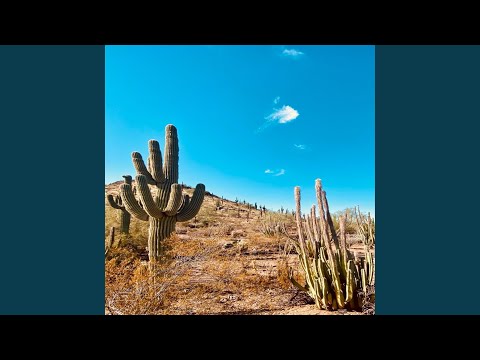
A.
pixel 52 136
pixel 427 161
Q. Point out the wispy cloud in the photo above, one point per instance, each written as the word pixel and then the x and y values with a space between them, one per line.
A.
pixel 276 172
pixel 292 53
pixel 279 116
pixel 300 146
pixel 285 114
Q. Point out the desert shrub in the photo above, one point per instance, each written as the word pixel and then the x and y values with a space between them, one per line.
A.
pixel 368 303
pixel 284 274
pixel 131 289
pixel 207 213
pixel 350 215
pixel 365 227
pixel 273 225
pixel 116 240
pixel 221 230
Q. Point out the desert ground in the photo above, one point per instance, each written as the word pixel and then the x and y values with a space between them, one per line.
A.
pixel 228 260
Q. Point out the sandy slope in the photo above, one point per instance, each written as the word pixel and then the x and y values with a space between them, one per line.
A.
pixel 240 270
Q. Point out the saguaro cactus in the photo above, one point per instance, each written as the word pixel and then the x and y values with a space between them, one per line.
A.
pixel 117 203
pixel 165 206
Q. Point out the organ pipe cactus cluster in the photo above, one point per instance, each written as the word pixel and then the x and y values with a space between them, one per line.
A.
pixel 117 203
pixel 163 205
pixel 334 277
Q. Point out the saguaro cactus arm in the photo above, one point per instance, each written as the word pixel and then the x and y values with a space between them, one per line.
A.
pixel 141 168
pixel 131 204
pixel 116 202
pixel 191 209
pixel 113 203
pixel 127 179
pixel 146 198
pixel 155 161
pixel 170 167
pixel 185 202
pixel 175 200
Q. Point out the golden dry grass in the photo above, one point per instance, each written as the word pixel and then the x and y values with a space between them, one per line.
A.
pixel 217 263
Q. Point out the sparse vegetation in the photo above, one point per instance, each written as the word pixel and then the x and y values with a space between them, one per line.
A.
pixel 226 257
pixel 274 226
pixel 252 121
pixel 218 264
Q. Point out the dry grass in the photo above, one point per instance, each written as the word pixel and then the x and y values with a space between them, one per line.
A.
pixel 131 289
pixel 218 264
pixel 368 306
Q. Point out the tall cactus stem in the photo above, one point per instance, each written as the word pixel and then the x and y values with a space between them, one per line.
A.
pixel 167 205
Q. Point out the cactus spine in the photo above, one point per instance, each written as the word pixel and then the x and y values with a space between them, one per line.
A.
pixel 117 203
pixel 165 206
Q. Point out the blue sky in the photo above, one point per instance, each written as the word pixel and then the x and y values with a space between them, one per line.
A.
pixel 253 121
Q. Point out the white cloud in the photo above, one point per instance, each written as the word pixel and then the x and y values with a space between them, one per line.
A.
pixel 276 172
pixel 283 115
pixel 300 146
pixel 292 52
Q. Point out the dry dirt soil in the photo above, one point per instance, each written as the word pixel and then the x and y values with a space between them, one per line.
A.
pixel 229 265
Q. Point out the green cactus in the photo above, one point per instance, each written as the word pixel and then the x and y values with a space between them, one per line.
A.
pixel 117 203
pixel 334 278
pixel 110 240
pixel 165 206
